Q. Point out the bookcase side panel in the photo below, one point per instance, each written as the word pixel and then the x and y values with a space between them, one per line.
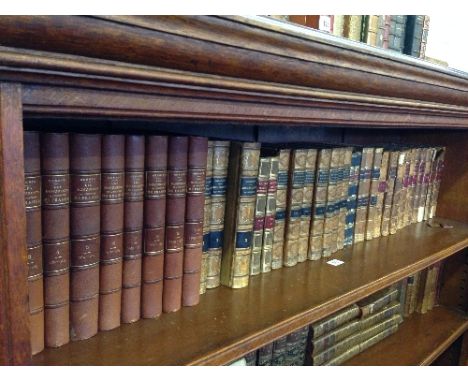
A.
pixel 14 318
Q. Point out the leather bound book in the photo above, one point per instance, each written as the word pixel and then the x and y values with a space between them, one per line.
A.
pixel 352 28
pixel 417 182
pixel 193 231
pixel 175 222
pixel 265 355
pixel 414 157
pixel 320 205
pixel 154 222
pixel 425 177
pixel 340 359
pixel 55 162
pixel 370 29
pixel 112 223
pixel 218 207
pixel 430 183
pixel 365 173
pixel 351 201
pixel 32 193
pixel 397 193
pixel 244 159
pixel 329 233
pixel 381 315
pixel 251 358
pixel 338 25
pixel 269 225
pixel 374 190
pixel 206 216
pixel 383 31
pixel 403 200
pixel 440 157
pixel 377 301
pixel 382 186
pixel 292 348
pixel 260 210
pixel 425 32
pixel 413 35
pixel 335 320
pixel 326 341
pixel 133 227
pixel 306 207
pixel 279 352
pixel 294 206
pixel 85 224
pixel 396 38
pixel 343 200
pixel 280 214
pixel 388 197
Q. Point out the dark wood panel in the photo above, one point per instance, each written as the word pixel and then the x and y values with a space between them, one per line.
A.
pixel 420 339
pixel 14 312
pixel 454 282
pixel 229 323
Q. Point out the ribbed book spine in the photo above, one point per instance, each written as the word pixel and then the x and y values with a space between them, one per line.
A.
pixel 306 213
pixel 425 182
pixel 397 192
pixel 195 202
pixel 414 155
pixel 382 189
pixel 371 27
pixel 218 207
pixel 373 195
pixel 343 203
pixel 438 177
pixel 265 355
pixel 154 222
pixel 338 25
pixel 417 182
pixel 320 205
pixel 279 352
pixel 112 223
pixel 85 225
pixel 430 184
pixel 413 35
pixel 242 186
pixel 207 216
pixel 294 206
pixel 332 239
pixel 175 222
pixel 402 213
pixel 260 210
pixel 351 201
pixel 363 193
pixel 425 32
pixel 32 193
pixel 55 161
pixel 269 225
pixel 353 27
pixel 280 215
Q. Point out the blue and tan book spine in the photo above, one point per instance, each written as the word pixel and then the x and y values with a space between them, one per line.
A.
pixel 343 204
pixel 260 211
pixel 373 194
pixel 280 215
pixel 382 189
pixel 320 204
pixel 311 160
pixel 363 193
pixel 294 206
pixel 207 216
pixel 337 201
pixel 244 162
pixel 351 201
pixel 218 205
pixel 269 225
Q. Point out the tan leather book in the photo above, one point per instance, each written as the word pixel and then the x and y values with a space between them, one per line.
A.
pixel 352 27
pixel 320 204
pixel 112 224
pixel 414 155
pixel 397 192
pixel 218 207
pixel 55 162
pixel 425 32
pixel 32 194
pixel 430 184
pixel 326 341
pixel 424 178
pixel 338 25
pixel 365 173
pixel 423 286
pixel 241 195
pixel 403 200
pixel 418 182
pixel 438 177
pixel 329 231
pixel 371 27
pixel 269 224
pixel 332 322
pixel 377 301
pixel 382 188
pixel 373 193
pixel 85 224
pixel 390 189
pixel 343 201
pixel 206 216
pixel 280 214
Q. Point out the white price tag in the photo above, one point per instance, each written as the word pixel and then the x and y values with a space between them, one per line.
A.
pixel 335 262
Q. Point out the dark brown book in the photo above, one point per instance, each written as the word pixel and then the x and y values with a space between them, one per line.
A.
pixel 133 227
pixel 55 163
pixel 85 226
pixel 193 231
pixel 155 215
pixel 112 222
pixel 175 221
pixel 32 194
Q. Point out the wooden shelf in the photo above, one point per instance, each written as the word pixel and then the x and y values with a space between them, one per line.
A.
pixel 229 323
pixel 420 339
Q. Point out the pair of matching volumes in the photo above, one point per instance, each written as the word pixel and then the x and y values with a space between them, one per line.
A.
pixel 114 230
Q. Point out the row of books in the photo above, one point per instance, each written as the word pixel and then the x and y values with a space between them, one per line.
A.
pixel 338 337
pixel 401 33
pixel 287 204
pixel 114 230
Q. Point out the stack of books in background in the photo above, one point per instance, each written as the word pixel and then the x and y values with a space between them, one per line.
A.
pixel 401 33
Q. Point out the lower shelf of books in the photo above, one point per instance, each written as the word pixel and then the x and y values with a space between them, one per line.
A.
pixel 420 339
pixel 229 323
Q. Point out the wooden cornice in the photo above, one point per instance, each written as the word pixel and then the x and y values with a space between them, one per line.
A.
pixel 221 68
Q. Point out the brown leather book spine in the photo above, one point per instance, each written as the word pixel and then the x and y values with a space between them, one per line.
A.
pixel 112 219
pixel 55 162
pixel 155 215
pixel 133 227
pixel 32 192
pixel 195 202
pixel 85 226
pixel 175 220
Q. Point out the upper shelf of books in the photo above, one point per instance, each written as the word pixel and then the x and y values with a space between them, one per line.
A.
pixel 272 71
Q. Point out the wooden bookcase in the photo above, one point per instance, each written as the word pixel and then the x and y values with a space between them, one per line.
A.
pixel 244 78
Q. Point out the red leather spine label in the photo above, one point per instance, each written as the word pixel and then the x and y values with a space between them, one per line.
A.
pixel 86 188
pixel 35 267
pixel 113 184
pixel 154 240
pixel 133 243
pixel 111 248
pixel 174 238
pixel 56 258
pixel 156 184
